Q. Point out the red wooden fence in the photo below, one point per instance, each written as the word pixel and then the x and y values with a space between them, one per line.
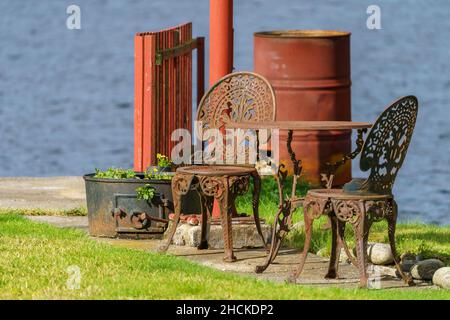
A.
pixel 163 89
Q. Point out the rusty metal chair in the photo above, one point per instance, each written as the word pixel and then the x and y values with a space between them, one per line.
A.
pixel 240 96
pixel 362 202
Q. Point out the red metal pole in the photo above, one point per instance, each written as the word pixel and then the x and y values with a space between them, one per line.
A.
pixel 220 48
pixel 220 39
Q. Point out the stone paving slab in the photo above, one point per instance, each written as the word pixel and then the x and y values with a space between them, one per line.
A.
pixel 285 263
pixel 50 193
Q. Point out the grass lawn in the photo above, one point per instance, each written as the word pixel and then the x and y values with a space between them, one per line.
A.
pixel 35 257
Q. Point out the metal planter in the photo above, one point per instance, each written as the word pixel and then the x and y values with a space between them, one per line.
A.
pixel 115 211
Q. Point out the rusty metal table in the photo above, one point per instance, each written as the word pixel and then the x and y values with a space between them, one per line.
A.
pixel 287 205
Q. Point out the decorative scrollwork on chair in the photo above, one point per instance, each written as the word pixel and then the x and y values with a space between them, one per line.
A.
pixel 347 210
pixel 362 202
pixel 239 96
pixel 386 145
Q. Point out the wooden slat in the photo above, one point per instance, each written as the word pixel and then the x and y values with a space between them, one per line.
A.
pixel 160 101
pixel 200 69
pixel 138 101
pixel 166 97
pixel 149 98
pixel 189 83
pixel 182 107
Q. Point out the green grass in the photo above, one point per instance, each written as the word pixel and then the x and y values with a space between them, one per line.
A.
pixel 81 211
pixel 35 257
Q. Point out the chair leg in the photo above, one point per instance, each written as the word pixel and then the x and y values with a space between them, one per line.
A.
pixel 360 230
pixel 308 233
pixel 177 208
pixel 206 209
pixel 226 222
pixel 392 221
pixel 336 246
pixel 255 203
pixel 345 246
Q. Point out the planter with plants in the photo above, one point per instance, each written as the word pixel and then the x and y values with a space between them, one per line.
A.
pixel 128 204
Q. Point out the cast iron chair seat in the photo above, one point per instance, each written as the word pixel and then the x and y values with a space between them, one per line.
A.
pixel 239 96
pixel 344 195
pixel 364 201
pixel 217 170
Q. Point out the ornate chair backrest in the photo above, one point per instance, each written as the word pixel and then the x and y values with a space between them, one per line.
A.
pixel 239 96
pixel 387 143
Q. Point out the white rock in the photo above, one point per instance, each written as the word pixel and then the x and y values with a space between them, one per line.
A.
pixel 380 271
pixel 441 277
pixel 244 235
pixel 379 253
pixel 425 269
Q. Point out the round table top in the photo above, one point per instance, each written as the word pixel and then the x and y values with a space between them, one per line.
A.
pixel 300 125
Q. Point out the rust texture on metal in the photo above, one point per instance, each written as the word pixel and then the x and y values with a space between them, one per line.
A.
pixel 222 188
pixel 288 203
pixel 215 170
pixel 300 125
pixel 163 89
pixel 385 147
pixel 331 168
pixel 236 97
pixel 115 211
pixel 310 73
pixel 362 202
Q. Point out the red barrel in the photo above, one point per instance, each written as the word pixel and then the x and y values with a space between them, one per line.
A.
pixel 310 72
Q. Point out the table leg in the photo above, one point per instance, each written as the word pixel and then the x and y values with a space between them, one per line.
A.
pixel 255 204
pixel 283 218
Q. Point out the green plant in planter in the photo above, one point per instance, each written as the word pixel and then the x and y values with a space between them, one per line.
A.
pixel 164 161
pixel 115 173
pixel 161 171
pixel 155 174
pixel 145 192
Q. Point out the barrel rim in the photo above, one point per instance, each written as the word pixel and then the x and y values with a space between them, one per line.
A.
pixel 90 177
pixel 302 34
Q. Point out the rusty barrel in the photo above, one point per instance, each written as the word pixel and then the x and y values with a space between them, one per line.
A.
pixel 310 73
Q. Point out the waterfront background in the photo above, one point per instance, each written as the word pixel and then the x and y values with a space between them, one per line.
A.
pixel 66 96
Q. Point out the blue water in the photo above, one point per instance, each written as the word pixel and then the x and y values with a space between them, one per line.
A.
pixel 66 96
